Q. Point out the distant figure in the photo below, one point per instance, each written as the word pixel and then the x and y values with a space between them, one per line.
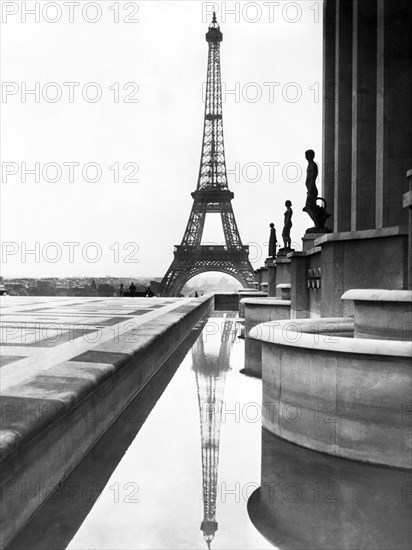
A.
pixel 196 294
pixel 132 289
pixel 121 290
pixel 149 292
pixel 272 241
pixel 287 226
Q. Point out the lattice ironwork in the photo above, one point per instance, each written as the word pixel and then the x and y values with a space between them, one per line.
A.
pixel 211 196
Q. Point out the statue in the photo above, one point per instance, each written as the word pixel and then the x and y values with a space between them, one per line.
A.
pixel 272 241
pixel 318 214
pixel 287 226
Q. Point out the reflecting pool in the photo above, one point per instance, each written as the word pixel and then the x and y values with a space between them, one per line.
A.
pixel 177 467
pixel 188 466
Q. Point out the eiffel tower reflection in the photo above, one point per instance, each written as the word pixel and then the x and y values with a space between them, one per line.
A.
pixel 210 359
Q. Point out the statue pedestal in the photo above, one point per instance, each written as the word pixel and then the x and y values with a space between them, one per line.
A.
pixel 283 291
pixel 261 276
pixel 283 276
pixel 271 267
pixel 285 251
pixel 308 240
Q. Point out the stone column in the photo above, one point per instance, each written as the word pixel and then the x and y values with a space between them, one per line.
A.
pixel 258 274
pixel 328 123
pixel 407 203
pixel 364 114
pixel 394 110
pixel 343 116
pixel 299 308
pixel 271 279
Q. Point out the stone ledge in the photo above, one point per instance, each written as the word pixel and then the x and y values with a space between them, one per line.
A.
pixel 241 290
pixel 407 199
pixel 382 314
pixel 310 252
pixel 265 302
pixel 273 332
pixel 364 234
pixel 377 295
pixel 296 254
pixel 66 384
pixel 359 388
pixel 252 293
pixel 283 259
pixel 42 447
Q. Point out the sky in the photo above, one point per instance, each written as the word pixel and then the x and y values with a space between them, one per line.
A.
pixel 99 160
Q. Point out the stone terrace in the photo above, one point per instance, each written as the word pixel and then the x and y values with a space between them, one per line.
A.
pixel 39 332
pixel 68 367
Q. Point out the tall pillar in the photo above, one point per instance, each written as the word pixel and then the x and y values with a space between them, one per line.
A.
pixel 299 297
pixel 394 109
pixel 364 114
pixel 343 116
pixel 407 203
pixel 328 123
pixel 271 279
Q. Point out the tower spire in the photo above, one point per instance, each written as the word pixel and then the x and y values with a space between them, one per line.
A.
pixel 212 195
pixel 210 367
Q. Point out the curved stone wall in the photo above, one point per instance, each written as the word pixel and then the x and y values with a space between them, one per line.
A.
pixel 258 311
pixel 243 294
pixel 327 391
pixel 382 314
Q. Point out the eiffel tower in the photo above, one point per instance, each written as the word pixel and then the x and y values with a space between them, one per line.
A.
pixel 211 196
pixel 211 366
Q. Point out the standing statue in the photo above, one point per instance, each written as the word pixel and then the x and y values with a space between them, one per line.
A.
pixel 272 241
pixel 287 226
pixel 311 177
pixel 318 214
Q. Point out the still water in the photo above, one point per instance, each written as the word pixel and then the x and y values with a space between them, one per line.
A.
pixel 192 463
pixel 186 466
